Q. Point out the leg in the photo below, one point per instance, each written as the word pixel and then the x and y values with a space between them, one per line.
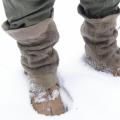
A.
pixel 36 34
pixel 99 33
pixel 23 13
pixel 99 8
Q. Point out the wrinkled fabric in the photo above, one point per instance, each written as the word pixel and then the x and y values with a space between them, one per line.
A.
pixel 39 58
pixel 100 42
pixel 24 13
pixel 99 8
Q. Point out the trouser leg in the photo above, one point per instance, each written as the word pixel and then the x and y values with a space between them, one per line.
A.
pixel 99 8
pixel 23 13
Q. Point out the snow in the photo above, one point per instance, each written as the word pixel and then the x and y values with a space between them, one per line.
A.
pixel 54 95
pixel 39 94
pixel 95 95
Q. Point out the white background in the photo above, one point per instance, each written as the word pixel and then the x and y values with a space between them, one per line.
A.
pixel 96 95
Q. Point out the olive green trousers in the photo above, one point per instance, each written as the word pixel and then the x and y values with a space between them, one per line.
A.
pixel 23 13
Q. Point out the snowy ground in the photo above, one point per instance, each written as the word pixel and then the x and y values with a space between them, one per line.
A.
pixel 96 95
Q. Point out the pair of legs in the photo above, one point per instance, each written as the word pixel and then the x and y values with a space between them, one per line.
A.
pixel 27 12
pixel 31 24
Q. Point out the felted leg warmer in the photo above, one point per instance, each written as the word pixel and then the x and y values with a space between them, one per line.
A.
pixel 39 58
pixel 101 47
